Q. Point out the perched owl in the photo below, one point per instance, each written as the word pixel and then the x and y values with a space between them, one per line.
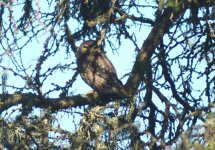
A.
pixel 97 70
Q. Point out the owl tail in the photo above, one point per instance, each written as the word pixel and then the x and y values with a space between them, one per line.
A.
pixel 122 92
pixel 117 90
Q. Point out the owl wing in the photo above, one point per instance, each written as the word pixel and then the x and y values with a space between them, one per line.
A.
pixel 107 76
pixel 104 67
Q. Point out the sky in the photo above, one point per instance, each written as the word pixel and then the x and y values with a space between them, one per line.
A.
pixel 122 60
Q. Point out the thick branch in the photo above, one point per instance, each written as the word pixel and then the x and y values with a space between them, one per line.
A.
pixel 161 27
pixel 54 103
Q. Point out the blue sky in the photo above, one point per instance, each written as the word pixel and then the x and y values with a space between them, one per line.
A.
pixel 122 59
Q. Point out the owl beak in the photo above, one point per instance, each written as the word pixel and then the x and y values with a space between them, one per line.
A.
pixel 96 48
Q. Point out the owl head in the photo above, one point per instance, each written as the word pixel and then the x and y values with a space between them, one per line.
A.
pixel 88 47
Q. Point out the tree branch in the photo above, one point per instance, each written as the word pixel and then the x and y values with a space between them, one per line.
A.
pixel 54 103
pixel 161 27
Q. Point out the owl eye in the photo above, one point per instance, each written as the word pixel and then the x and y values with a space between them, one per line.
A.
pixel 84 49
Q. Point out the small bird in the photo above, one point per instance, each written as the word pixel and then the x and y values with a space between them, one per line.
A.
pixel 98 72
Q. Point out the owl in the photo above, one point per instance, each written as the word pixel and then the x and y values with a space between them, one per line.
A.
pixel 97 71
